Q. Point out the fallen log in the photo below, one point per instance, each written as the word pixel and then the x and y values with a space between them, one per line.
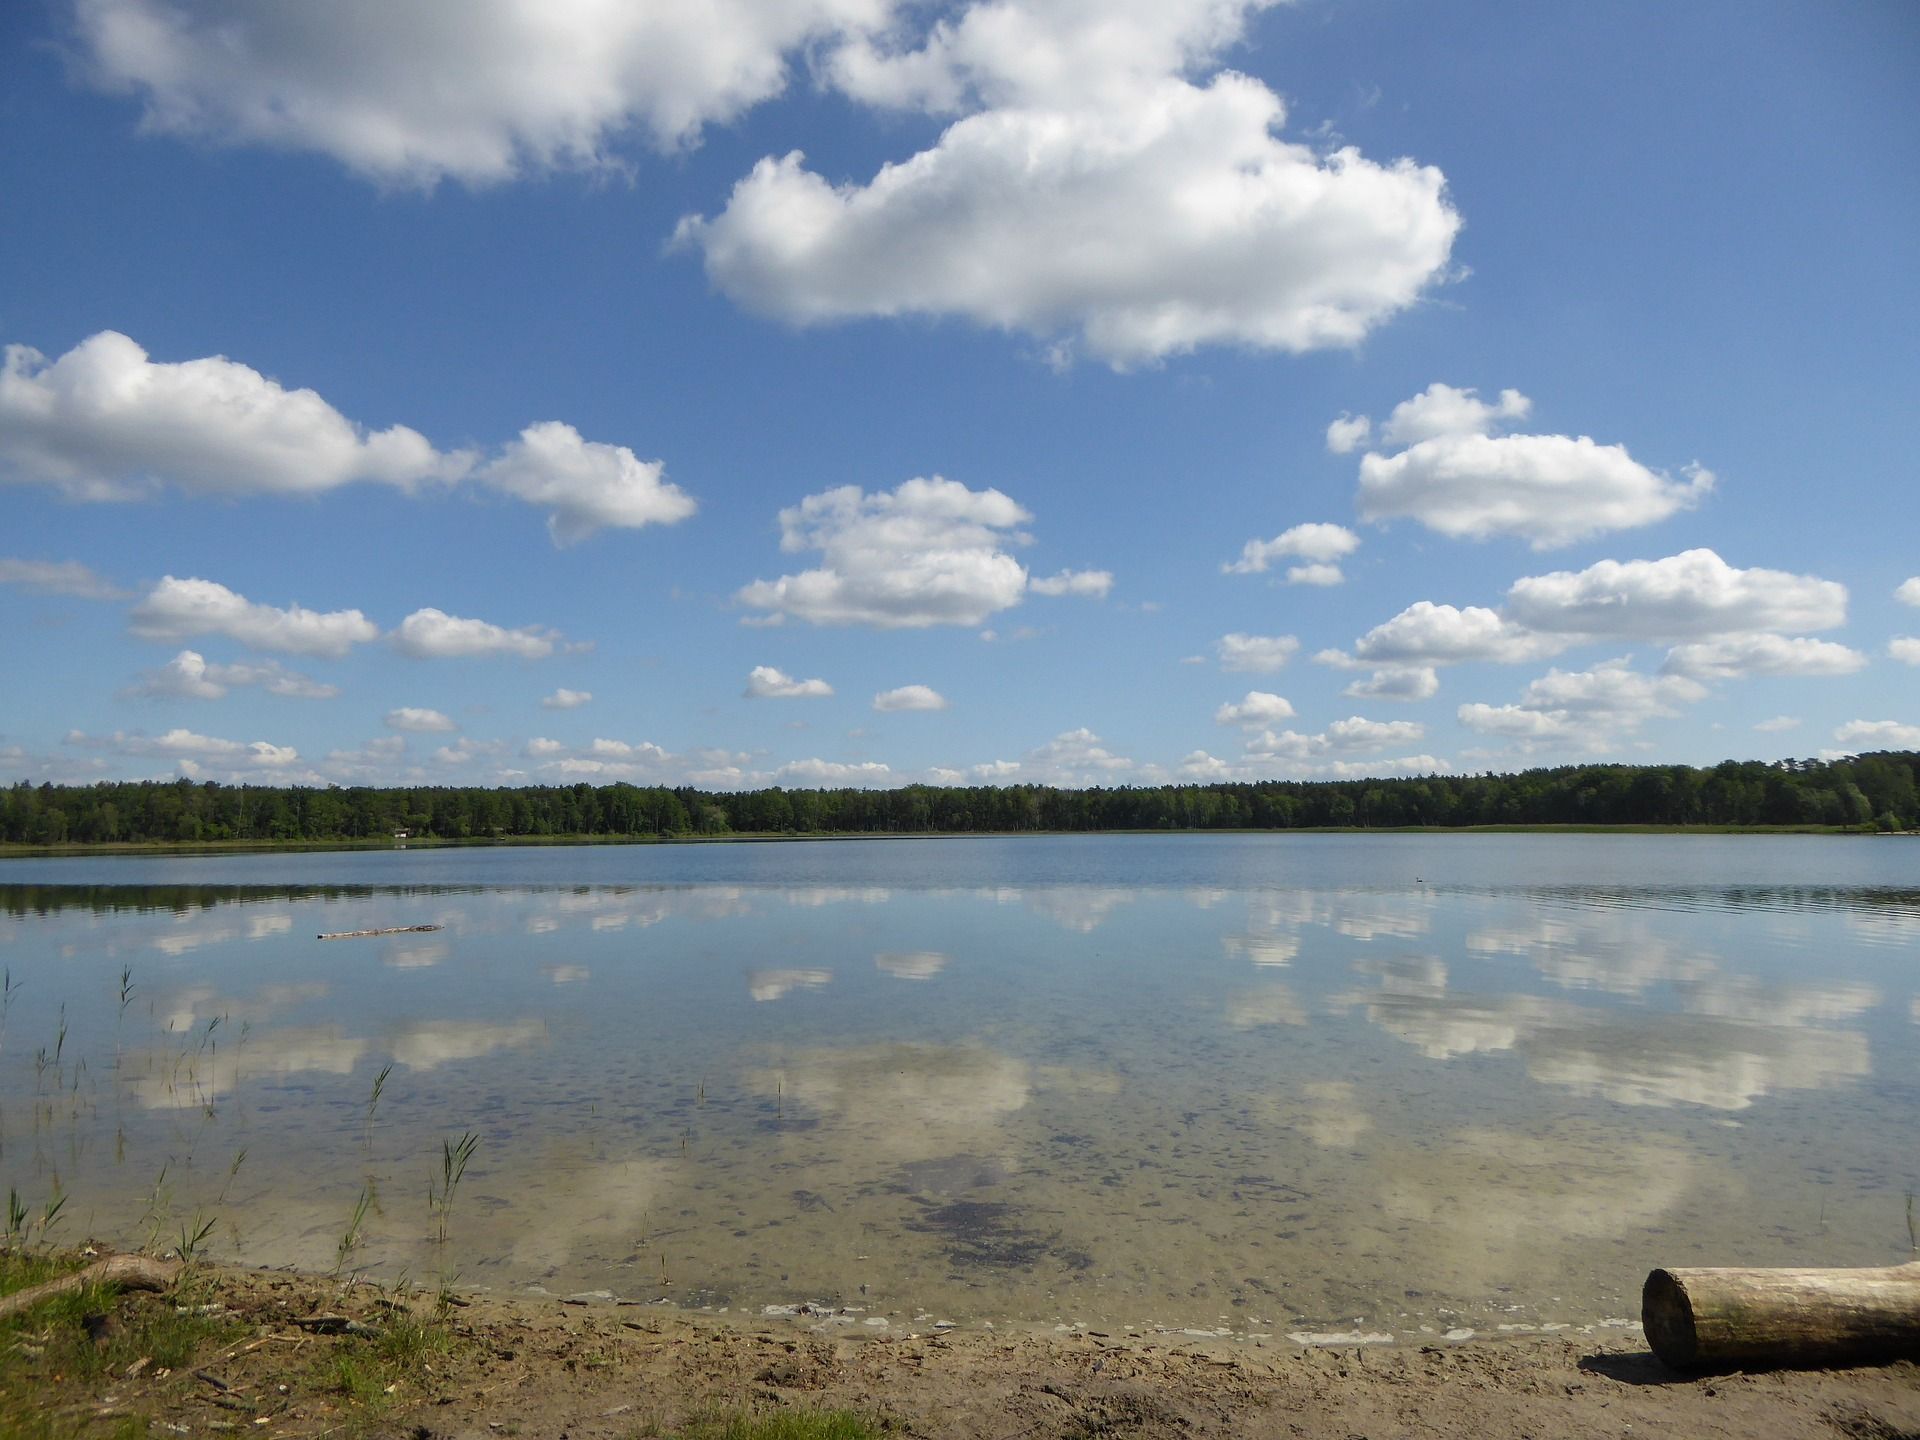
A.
pixel 129 1272
pixel 1724 1319
pixel 369 934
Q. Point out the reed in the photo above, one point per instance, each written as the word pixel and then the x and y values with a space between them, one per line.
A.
pixel 454 1156
pixel 350 1237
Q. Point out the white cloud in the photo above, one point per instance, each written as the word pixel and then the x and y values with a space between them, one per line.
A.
pixel 565 699
pixel 1731 656
pixel 767 683
pixel 187 746
pixel 433 634
pixel 1141 224
pixel 1396 682
pixel 1908 592
pixel 481 91
pixel 1320 545
pixel 1458 478
pixel 1905 648
pixel 1096 583
pixel 1442 410
pixel 1348 433
pixel 586 484
pixel 1778 724
pixel 103 422
pixel 1587 707
pixel 188 676
pixel 1861 735
pixel 1425 634
pixel 58 577
pixel 1258 708
pixel 910 697
pixel 831 772
pixel 1255 654
pixel 1354 734
pixel 1072 758
pixel 926 553
pixel 417 721
pixel 1691 595
pixel 180 609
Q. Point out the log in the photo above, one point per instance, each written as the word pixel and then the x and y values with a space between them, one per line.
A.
pixel 129 1272
pixel 368 934
pixel 1724 1319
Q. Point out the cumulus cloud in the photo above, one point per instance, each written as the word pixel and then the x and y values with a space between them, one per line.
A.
pixel 1321 546
pixel 1694 594
pixel 1258 708
pixel 480 91
pixel 832 772
pixel 431 634
pixel 1587 707
pixel 1905 648
pixel 1732 656
pixel 926 553
pixel 1458 478
pixel 1354 734
pixel 1425 634
pixel 910 697
pixel 1908 592
pixel 188 676
pixel 767 683
pixel 1860 735
pixel 1778 724
pixel 586 485
pixel 58 577
pixel 104 422
pixel 1396 682
pixel 181 609
pixel 1348 433
pixel 188 748
pixel 417 721
pixel 1255 654
pixel 565 699
pixel 1096 583
pixel 1138 229
pixel 1072 758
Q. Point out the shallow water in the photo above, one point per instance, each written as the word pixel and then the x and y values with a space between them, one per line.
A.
pixel 1314 1085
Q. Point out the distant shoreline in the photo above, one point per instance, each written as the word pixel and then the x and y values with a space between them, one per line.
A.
pixel 275 847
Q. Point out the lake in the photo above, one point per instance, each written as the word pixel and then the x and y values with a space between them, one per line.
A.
pixel 1403 1086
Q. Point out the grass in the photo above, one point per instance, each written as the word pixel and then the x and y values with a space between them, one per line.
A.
pixel 778 1425
pixel 69 1344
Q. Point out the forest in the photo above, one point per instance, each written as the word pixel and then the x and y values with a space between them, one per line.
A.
pixel 1879 791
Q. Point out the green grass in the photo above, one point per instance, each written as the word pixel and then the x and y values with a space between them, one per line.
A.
pixel 70 1345
pixel 781 1425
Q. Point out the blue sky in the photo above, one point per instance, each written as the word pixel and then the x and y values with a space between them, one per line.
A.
pixel 859 391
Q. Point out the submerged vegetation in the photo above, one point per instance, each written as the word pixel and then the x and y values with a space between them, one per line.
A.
pixel 1875 791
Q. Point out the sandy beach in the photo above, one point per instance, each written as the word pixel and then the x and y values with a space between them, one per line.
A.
pixel 591 1369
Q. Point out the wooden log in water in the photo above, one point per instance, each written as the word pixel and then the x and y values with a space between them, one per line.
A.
pixel 1723 1319
pixel 367 934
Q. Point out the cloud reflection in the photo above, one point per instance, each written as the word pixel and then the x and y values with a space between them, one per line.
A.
pixel 775 984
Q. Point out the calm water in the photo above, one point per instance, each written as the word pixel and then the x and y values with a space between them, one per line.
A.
pixel 1267 1085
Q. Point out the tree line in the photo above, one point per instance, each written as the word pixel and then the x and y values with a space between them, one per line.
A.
pixel 1873 791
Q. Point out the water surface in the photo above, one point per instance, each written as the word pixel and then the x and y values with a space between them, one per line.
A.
pixel 1395 1085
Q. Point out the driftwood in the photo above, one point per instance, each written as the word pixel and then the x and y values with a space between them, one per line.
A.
pixel 129 1272
pixel 368 934
pixel 1728 1319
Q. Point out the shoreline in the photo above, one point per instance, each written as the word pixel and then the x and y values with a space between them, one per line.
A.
pixel 187 849
pixel 299 1355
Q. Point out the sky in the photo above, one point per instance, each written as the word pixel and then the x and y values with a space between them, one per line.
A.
pixel 869 392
